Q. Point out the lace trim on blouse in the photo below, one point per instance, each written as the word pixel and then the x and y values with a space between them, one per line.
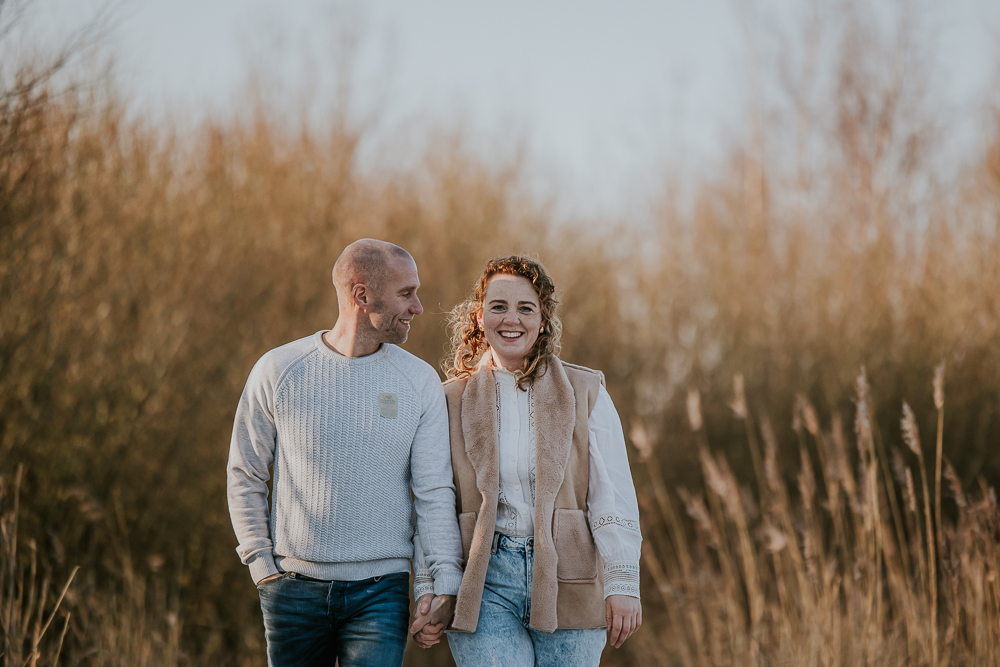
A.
pixel 606 520
pixel 531 443
pixel 621 577
pixel 423 583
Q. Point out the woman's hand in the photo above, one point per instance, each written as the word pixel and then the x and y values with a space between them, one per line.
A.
pixel 623 614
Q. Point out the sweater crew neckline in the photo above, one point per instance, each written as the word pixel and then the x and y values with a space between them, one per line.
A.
pixel 339 358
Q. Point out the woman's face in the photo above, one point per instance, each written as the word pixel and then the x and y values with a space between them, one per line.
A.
pixel 511 318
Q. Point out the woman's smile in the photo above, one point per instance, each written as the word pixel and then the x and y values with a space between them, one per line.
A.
pixel 511 319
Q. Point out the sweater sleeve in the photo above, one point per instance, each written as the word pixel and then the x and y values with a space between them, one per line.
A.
pixel 434 492
pixel 251 453
pixel 611 501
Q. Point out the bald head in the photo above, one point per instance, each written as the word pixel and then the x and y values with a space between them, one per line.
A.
pixel 377 287
pixel 367 262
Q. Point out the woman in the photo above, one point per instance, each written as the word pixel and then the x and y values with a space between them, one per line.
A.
pixel 542 485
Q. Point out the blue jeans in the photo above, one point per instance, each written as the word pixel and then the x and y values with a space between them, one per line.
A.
pixel 360 623
pixel 502 637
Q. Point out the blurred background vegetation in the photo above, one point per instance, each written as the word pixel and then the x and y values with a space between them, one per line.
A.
pixel 145 267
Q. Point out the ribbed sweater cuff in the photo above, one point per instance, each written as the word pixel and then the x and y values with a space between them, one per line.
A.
pixel 621 577
pixel 447 583
pixel 262 565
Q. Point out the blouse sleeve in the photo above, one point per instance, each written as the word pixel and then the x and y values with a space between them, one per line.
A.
pixel 423 580
pixel 611 503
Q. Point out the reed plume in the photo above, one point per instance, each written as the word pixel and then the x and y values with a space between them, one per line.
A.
pixel 694 409
pixel 911 436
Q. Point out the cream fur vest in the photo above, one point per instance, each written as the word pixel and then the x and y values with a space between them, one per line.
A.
pixel 567 590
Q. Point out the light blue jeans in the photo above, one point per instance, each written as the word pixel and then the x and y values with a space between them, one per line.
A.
pixel 502 637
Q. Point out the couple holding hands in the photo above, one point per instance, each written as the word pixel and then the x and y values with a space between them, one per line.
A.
pixel 514 475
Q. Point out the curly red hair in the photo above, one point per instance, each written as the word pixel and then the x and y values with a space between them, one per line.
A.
pixel 468 341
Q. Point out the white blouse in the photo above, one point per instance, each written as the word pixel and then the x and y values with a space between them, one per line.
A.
pixel 612 508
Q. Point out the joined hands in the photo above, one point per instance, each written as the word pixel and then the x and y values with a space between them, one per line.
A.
pixel 431 615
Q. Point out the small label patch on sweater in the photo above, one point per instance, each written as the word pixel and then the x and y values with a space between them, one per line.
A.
pixel 388 405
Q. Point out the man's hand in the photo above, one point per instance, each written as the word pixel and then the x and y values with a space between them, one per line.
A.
pixel 269 579
pixel 623 614
pixel 431 615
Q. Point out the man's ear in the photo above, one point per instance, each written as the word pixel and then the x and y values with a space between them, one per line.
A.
pixel 361 296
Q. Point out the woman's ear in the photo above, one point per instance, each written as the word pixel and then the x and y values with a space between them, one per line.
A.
pixel 479 319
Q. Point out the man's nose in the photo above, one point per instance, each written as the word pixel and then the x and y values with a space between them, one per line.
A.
pixel 416 308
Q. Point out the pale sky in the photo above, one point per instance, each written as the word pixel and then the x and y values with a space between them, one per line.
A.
pixel 606 95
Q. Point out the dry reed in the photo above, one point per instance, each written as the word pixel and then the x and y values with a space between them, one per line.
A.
pixel 144 269
pixel 798 604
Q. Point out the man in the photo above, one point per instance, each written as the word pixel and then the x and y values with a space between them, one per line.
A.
pixel 351 424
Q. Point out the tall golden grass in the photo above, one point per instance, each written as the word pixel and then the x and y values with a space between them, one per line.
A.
pixel 838 576
pixel 145 268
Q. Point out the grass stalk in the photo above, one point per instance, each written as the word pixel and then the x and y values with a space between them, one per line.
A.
pixel 890 492
pixel 666 508
pixel 912 437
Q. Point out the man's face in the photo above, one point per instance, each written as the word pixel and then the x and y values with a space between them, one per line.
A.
pixel 396 304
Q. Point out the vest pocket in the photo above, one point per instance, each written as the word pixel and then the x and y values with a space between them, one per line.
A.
pixel 574 546
pixel 467 525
